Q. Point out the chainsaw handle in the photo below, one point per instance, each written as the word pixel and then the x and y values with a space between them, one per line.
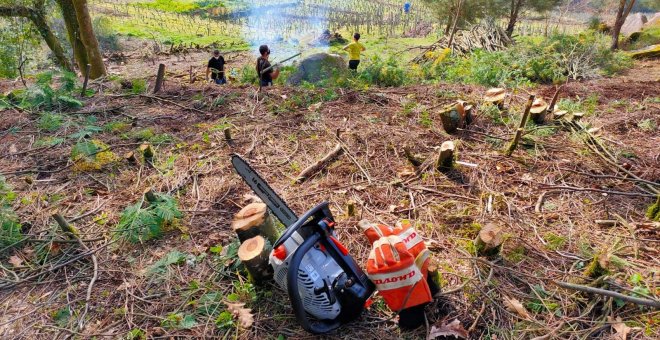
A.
pixel 320 208
pixel 315 327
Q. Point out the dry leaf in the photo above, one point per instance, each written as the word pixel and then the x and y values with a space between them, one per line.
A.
pixel 515 306
pixel 245 318
pixel 406 172
pixel 314 107
pixel 621 329
pixel 453 328
pixel 15 261
pixel 12 148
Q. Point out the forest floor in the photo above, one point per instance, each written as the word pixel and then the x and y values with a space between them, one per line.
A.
pixel 547 197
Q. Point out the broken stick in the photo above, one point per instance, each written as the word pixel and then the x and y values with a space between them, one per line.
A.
pixel 521 128
pixel 254 253
pixel 325 161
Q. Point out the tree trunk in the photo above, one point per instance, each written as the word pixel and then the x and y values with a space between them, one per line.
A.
pixel 89 39
pixel 38 18
pixel 453 26
pixel 622 13
pixel 73 32
pixel 513 16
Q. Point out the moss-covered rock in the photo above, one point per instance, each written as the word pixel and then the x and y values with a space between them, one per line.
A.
pixel 318 67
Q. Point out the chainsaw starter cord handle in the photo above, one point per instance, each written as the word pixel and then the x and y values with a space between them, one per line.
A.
pixel 319 327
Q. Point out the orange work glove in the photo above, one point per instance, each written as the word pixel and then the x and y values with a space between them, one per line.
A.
pixel 410 237
pixel 397 277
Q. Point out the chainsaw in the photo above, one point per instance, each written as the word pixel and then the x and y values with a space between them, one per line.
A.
pixel 325 285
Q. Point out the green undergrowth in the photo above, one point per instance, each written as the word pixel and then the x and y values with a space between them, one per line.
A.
pixel 51 91
pixel 10 228
pixel 147 220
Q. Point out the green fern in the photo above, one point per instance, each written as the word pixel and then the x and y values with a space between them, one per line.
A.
pixel 145 221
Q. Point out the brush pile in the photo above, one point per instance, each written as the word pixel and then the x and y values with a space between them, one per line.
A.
pixel 487 36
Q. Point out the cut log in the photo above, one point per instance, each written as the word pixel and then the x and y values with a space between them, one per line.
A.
pixel 325 161
pixel 446 157
pixel 254 253
pixel 254 220
pixel 453 117
pixel 521 128
pixel 489 241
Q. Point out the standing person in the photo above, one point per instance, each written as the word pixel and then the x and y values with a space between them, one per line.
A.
pixel 265 79
pixel 354 49
pixel 406 7
pixel 216 67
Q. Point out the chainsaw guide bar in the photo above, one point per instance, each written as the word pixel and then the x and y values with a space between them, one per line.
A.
pixel 260 187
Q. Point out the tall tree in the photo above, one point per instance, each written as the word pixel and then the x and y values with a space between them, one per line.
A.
pixel 73 30
pixel 516 8
pixel 37 15
pixel 89 39
pixel 621 14
pixel 464 11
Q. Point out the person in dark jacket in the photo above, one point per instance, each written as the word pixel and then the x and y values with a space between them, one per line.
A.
pixel 216 67
pixel 265 79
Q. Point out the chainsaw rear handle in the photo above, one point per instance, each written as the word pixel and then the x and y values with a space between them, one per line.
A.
pixel 315 327
pixel 302 220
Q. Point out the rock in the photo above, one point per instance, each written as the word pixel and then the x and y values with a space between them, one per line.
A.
pixel 317 67
pixel 634 23
pixel 652 51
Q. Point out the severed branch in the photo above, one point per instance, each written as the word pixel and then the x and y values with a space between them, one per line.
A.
pixel 599 291
pixel 325 161
pixel 72 233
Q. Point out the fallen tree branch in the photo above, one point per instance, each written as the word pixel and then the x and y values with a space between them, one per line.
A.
pixel 325 161
pixel 599 291
pixel 621 193
pixel 174 103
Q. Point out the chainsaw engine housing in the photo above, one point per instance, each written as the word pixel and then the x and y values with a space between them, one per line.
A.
pixel 328 285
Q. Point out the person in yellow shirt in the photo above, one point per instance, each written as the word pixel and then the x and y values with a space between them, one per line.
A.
pixel 354 49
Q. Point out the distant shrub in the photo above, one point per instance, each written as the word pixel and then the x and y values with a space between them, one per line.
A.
pixel 537 60
pixel 52 91
pixel 248 75
pixel 383 72
pixel 106 35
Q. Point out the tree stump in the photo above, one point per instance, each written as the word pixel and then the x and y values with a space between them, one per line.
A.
pixel 446 157
pixel 538 110
pixel 159 78
pixel 254 220
pixel 577 116
pixel 147 151
pixel 453 117
pixel 254 253
pixel 489 241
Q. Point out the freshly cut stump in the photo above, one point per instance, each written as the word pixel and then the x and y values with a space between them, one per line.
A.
pixel 253 253
pixel 254 220
pixel 489 241
pixel 446 157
